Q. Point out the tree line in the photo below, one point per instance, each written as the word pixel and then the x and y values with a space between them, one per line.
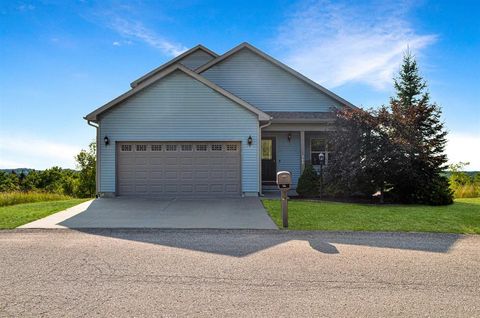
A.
pixel 77 183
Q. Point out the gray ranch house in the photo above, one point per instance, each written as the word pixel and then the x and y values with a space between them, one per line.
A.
pixel 209 125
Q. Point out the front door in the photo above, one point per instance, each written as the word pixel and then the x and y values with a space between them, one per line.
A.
pixel 269 160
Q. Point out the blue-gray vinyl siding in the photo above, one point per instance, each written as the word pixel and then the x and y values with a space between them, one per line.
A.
pixel 196 59
pixel 267 86
pixel 287 153
pixel 179 108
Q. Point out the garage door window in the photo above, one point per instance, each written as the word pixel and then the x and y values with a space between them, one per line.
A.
pixel 126 148
pixel 201 148
pixel 186 147
pixel 216 147
pixel 171 148
pixel 156 148
pixel 231 148
pixel 141 147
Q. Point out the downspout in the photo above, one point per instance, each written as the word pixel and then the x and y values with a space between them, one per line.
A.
pixel 260 192
pixel 97 163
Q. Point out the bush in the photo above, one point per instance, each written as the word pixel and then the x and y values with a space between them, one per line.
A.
pixel 466 191
pixel 308 183
pixel 12 198
pixel 438 192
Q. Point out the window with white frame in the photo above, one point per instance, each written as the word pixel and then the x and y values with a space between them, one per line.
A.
pixel 141 147
pixel 318 146
pixel 186 147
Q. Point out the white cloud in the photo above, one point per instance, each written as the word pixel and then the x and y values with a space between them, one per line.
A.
pixel 116 43
pixel 334 43
pixel 464 148
pixel 132 29
pixel 32 152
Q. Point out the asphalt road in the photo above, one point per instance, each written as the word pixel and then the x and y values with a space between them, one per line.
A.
pixel 147 273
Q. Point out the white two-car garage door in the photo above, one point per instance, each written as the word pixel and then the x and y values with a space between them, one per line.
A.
pixel 179 169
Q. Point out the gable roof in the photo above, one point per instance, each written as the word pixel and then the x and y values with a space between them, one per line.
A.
pixel 93 116
pixel 274 61
pixel 173 61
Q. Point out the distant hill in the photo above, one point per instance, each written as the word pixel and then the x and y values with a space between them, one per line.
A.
pixel 470 173
pixel 25 170
pixel 18 170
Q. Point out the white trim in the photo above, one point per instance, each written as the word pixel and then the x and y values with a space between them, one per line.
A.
pixel 288 69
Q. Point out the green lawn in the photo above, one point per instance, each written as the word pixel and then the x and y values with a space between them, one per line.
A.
pixel 16 215
pixel 461 217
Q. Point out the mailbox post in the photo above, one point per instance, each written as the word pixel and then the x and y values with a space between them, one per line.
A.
pixel 284 181
pixel 321 161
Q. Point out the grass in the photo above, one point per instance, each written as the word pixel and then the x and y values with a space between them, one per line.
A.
pixel 16 215
pixel 461 217
pixel 12 198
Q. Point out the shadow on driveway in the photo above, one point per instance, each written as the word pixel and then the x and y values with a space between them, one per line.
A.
pixel 239 243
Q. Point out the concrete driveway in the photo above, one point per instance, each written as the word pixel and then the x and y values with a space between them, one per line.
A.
pixel 242 213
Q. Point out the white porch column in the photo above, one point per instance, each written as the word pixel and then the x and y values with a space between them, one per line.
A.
pixel 302 149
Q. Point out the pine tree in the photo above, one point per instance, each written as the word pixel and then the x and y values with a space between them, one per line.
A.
pixel 420 137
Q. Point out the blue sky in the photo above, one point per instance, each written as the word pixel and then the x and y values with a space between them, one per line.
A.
pixel 59 60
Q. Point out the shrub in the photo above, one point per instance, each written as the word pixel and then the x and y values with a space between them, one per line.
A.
pixel 308 183
pixel 12 198
pixel 438 192
pixel 466 191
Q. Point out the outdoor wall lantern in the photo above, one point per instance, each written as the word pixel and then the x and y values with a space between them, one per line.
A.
pixel 106 140
pixel 289 137
pixel 250 140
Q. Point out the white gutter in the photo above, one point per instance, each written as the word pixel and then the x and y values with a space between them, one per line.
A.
pixel 97 164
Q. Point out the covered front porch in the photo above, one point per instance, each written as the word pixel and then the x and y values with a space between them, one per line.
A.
pixel 290 147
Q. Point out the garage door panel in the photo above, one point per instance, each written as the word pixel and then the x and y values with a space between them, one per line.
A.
pixel 171 188
pixel 201 175
pixel 141 175
pixel 216 188
pixel 231 188
pixel 201 188
pixel 216 175
pixel 186 188
pixel 186 175
pixel 179 169
pixel 156 174
pixel 157 161
pixel 156 189
pixel 231 174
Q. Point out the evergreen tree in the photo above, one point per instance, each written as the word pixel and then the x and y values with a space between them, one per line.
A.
pixel 308 183
pixel 420 138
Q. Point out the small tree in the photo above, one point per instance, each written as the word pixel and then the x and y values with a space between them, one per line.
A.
pixel 308 183
pixel 86 162
pixel 8 182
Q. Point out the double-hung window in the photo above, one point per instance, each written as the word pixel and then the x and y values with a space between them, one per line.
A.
pixel 318 146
